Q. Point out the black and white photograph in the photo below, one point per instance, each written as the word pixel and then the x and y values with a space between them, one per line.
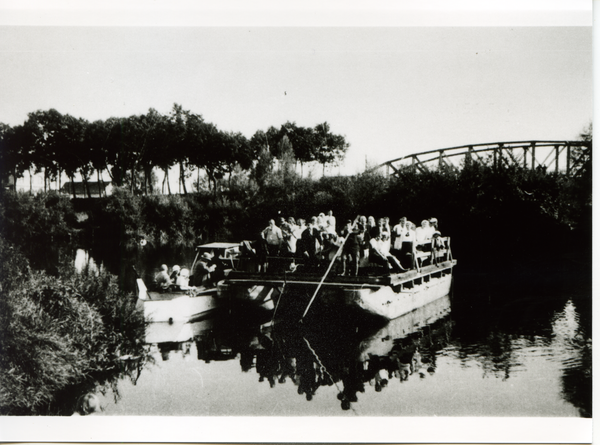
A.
pixel 364 222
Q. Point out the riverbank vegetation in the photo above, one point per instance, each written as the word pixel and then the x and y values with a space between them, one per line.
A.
pixel 61 338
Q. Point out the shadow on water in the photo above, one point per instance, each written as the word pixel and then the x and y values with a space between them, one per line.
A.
pixel 322 351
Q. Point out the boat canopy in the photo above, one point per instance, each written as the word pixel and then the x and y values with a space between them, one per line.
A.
pixel 218 246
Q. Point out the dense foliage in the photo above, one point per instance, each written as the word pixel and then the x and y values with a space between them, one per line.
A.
pixel 38 224
pixel 130 149
pixel 62 337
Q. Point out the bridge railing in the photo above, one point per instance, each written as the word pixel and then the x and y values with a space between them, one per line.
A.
pixel 560 156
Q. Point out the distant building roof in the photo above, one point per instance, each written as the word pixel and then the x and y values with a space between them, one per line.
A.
pixel 94 187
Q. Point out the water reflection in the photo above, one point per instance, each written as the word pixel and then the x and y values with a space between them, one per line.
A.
pixel 350 357
pixel 493 355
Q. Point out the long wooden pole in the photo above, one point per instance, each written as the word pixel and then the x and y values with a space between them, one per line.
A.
pixel 327 271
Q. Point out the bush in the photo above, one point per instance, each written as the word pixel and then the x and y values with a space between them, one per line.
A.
pixel 120 218
pixel 62 337
pixel 37 223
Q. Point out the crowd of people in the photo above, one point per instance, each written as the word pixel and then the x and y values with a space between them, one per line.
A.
pixel 178 279
pixel 287 243
pixel 365 242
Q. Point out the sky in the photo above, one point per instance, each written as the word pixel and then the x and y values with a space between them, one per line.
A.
pixel 390 90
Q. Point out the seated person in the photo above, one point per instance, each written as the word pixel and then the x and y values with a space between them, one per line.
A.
pixel 203 270
pixel 423 236
pixel 174 273
pixel 329 228
pixel 408 250
pixel 183 280
pixel 162 279
pixel 379 254
pixel 385 249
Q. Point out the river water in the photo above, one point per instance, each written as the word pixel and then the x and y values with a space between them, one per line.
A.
pixel 471 354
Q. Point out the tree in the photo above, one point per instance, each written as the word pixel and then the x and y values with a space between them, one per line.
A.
pixel 303 143
pixel 190 142
pixel 237 153
pixel 9 156
pixel 582 156
pixel 329 147
pixel 152 136
pixel 259 144
pixel 17 154
pixel 97 135
pixel 72 153
pixel 44 139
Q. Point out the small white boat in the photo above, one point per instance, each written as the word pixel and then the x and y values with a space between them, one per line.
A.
pixel 176 306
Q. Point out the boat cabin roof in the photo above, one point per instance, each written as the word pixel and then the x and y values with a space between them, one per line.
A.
pixel 218 246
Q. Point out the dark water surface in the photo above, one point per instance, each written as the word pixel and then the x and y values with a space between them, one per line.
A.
pixel 474 354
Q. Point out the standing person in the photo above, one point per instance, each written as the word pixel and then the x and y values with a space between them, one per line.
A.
pixel 384 227
pixel 386 223
pixel 288 246
pixel 372 227
pixel 399 232
pixel 330 219
pixel 311 243
pixel 292 223
pixel 274 237
pixel 353 248
pixel 321 221
pixel 301 226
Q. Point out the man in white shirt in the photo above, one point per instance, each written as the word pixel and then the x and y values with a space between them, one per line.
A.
pixel 330 219
pixel 274 237
pixel 399 233
pixel 424 233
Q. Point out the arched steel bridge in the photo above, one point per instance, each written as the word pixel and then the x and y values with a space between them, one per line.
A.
pixel 560 156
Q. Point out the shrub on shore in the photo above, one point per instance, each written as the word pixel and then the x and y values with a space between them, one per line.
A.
pixel 62 337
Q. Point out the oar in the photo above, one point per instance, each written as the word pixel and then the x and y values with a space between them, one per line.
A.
pixel 327 271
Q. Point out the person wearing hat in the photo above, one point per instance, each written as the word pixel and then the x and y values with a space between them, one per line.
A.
pixel 175 273
pixel 203 270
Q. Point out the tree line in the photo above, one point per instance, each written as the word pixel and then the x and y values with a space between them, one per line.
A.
pixel 129 149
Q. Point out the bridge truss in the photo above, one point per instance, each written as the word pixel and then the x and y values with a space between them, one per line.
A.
pixel 567 157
